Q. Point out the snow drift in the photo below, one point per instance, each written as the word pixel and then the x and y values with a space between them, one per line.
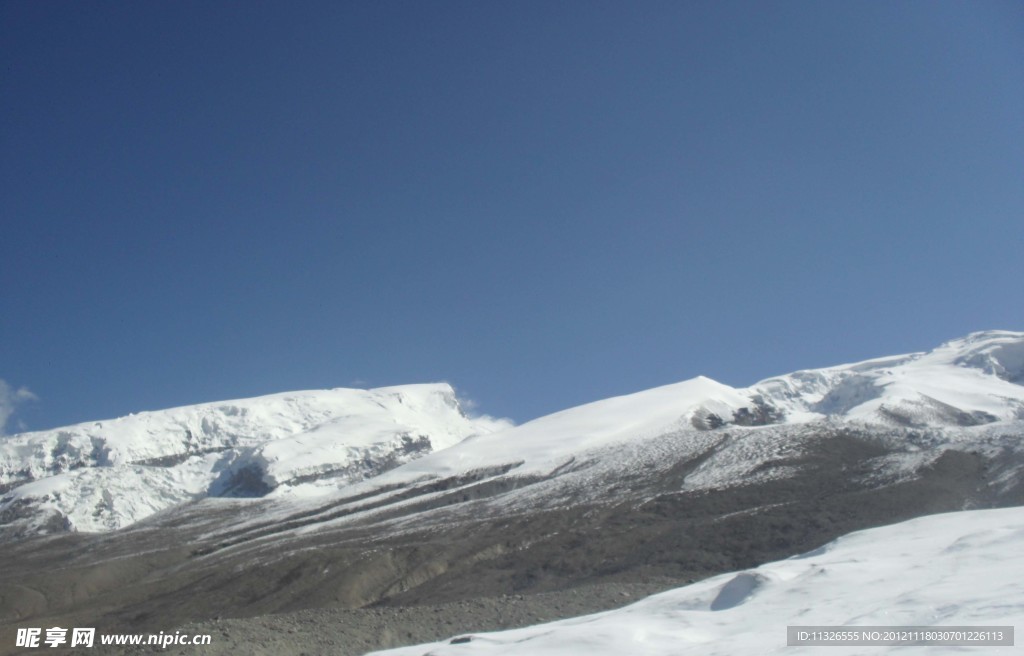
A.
pixel 944 570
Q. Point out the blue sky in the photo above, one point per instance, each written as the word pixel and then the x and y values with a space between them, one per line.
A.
pixel 543 203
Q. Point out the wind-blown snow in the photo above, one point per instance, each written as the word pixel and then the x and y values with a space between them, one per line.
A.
pixel 944 570
pixel 550 441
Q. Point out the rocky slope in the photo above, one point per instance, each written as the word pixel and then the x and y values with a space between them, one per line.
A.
pixel 666 485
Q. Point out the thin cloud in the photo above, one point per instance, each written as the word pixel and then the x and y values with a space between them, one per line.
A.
pixel 470 408
pixel 10 400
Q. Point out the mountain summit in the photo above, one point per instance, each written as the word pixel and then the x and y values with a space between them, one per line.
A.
pixel 357 499
pixel 105 475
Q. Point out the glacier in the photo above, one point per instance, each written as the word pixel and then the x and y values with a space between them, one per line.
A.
pixel 105 475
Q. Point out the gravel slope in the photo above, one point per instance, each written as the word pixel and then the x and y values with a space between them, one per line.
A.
pixel 351 632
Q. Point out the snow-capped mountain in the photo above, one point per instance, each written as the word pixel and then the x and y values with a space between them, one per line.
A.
pixel 965 382
pixel 967 392
pixel 956 569
pixel 320 499
pixel 104 475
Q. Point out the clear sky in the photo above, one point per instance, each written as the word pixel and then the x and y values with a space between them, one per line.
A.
pixel 543 203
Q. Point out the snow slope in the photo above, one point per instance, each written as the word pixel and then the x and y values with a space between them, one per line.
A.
pixel 104 475
pixel 700 436
pixel 962 392
pixel 943 570
pixel 970 381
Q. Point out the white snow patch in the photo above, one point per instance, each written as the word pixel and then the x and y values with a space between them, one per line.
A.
pixel 953 569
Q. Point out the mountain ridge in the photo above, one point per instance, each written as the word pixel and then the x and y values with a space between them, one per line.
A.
pixel 107 474
pixel 308 443
pixel 639 490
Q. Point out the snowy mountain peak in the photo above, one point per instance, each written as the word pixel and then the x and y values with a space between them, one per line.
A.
pixel 104 475
pixel 997 352
pixel 745 429
pixel 107 474
pixel 969 381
